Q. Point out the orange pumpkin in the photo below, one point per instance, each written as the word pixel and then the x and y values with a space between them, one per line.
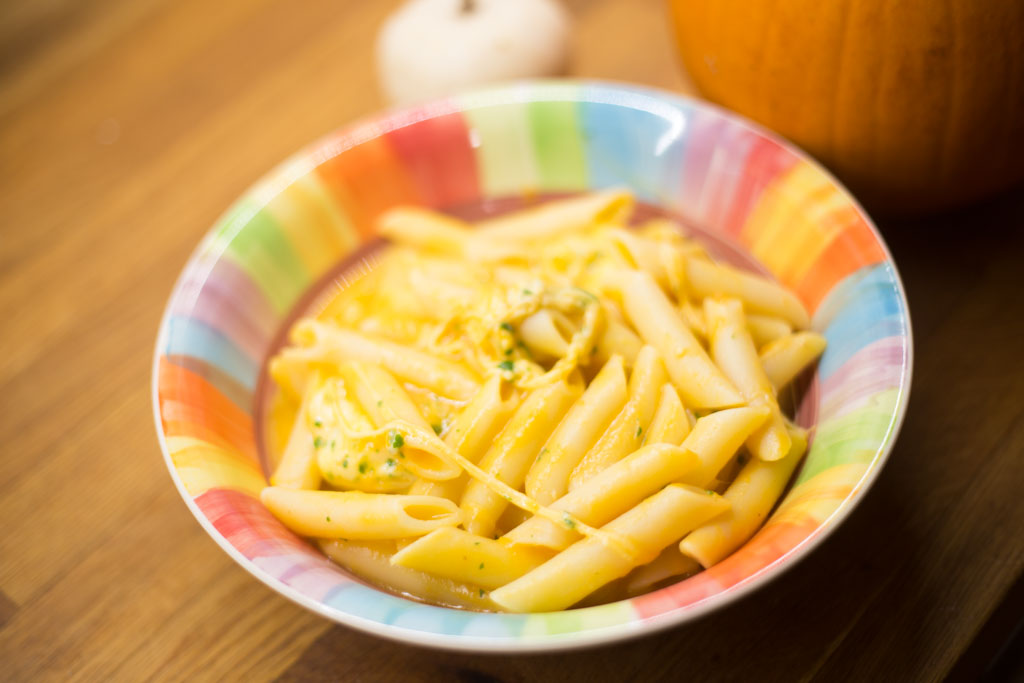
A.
pixel 915 104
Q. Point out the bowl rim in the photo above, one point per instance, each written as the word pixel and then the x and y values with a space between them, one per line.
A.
pixel 501 94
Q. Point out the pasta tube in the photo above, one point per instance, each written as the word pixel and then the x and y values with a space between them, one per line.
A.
pixel 617 340
pixel 767 328
pixel 472 433
pixel 462 556
pixel 424 229
pixel 558 217
pixel 760 295
pixel 336 345
pixel 734 352
pixel 380 395
pixel 358 515
pixel 670 423
pixel 587 565
pixel 510 457
pixel 547 333
pixel 626 431
pixel 700 383
pixel 752 495
pixel 298 467
pixel 548 478
pixel 371 561
pixel 784 358
pixel 669 564
pixel 714 440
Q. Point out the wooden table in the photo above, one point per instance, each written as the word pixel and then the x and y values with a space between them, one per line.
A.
pixel 126 127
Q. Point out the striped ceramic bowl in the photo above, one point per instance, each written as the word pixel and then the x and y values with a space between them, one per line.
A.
pixel 712 169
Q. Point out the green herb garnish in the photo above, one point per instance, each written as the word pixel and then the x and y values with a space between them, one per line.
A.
pixel 395 440
pixel 506 365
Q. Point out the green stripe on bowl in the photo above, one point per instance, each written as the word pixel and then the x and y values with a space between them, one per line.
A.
pixel 264 253
pixel 503 144
pixel 855 437
pixel 558 145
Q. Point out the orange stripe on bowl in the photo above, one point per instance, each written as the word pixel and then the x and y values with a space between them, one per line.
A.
pixel 366 180
pixel 186 398
pixel 851 250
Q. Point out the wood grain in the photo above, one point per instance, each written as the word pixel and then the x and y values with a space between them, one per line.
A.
pixel 127 127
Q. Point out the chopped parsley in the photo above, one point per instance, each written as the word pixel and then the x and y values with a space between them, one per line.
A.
pixel 380 402
pixel 710 492
pixel 481 565
pixel 328 518
pixel 436 427
pixel 344 463
pixel 527 292
pixel 362 467
pixel 639 430
pixel 318 442
pixel 569 522
pixel 506 326
pixel 481 592
pixel 391 462
pixel 506 365
pixel 395 439
pixel 318 423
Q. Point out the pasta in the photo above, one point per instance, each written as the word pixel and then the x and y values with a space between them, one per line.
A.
pixel 539 410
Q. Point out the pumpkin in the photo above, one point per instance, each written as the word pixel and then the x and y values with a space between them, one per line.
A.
pixel 916 104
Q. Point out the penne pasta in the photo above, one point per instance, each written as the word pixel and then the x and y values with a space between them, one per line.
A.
pixel 733 351
pixel 589 564
pixel 424 229
pixel 371 560
pixel 752 495
pixel 510 457
pixel 784 358
pixel 670 423
pixel 670 564
pixel 558 217
pixel 617 340
pixel 358 515
pixel 714 439
pixel 626 431
pixel 760 295
pixel 590 415
pixel 499 415
pixel 547 333
pixel 471 434
pixel 298 466
pixel 765 329
pixel 461 556
pixel 700 383
pixel 336 345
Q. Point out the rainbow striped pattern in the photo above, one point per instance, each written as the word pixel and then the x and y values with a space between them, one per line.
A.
pixel 708 166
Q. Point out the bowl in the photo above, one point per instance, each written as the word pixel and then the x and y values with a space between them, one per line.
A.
pixel 715 171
